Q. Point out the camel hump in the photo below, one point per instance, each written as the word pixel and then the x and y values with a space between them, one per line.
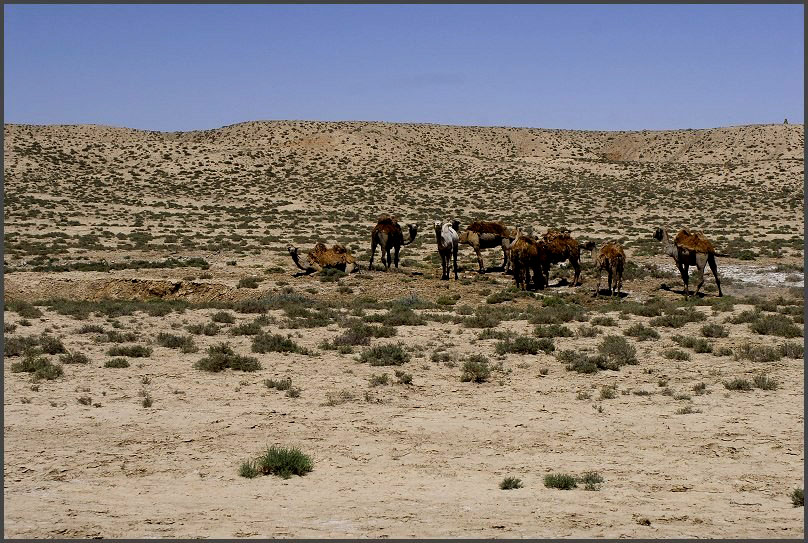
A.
pixel 693 241
pixel 387 223
pixel 489 227
pixel 612 251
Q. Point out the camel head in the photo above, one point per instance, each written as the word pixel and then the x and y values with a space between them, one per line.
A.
pixel 456 225
pixel 413 229
pixel 659 234
pixel 438 225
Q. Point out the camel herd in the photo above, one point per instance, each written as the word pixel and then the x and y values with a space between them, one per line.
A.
pixel 527 256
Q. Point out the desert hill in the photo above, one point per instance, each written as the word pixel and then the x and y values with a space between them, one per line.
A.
pixel 743 184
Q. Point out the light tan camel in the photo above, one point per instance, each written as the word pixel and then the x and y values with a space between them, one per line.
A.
pixel 323 257
pixel 447 239
pixel 487 235
pixel 561 246
pixel 690 249
pixel 388 235
pixel 611 258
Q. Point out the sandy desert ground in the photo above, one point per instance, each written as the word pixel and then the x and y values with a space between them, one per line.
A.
pixel 163 245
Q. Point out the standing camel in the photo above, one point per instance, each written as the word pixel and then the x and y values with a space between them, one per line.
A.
pixel 612 258
pixel 447 239
pixel 561 246
pixel 487 235
pixel 690 249
pixel 388 235
pixel 528 254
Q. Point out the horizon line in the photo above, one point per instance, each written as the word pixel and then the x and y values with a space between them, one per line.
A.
pixel 102 125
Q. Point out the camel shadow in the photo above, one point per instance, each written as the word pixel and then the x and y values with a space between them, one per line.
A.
pixel 668 288
pixel 606 294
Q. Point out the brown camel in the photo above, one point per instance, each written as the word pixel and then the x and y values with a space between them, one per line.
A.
pixel 561 246
pixel 612 258
pixel 388 235
pixel 487 235
pixel 528 254
pixel 690 249
pixel 322 257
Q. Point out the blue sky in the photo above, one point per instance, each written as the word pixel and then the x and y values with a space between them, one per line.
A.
pixel 600 67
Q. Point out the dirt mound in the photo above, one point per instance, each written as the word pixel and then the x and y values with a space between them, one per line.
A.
pixel 121 289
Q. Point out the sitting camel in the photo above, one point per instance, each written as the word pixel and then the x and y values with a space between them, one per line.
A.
pixel 388 235
pixel 561 246
pixel 447 239
pixel 528 253
pixel 690 249
pixel 612 258
pixel 487 235
pixel 322 257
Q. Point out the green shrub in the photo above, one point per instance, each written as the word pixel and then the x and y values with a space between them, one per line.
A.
pixel 764 382
pixel 116 363
pixel 249 469
pixel 171 341
pixel 678 318
pixel 524 345
pixel 618 351
pixel 74 358
pixel 222 356
pixel 18 345
pixel 379 380
pixel 581 362
pixel 251 328
pixel 224 317
pixel 268 343
pixel 51 345
pixel 553 330
pixel 403 378
pixel 776 325
pixel 510 483
pixel 758 353
pixel 798 497
pixel 475 369
pixel 792 350
pixel 208 329
pixel 560 480
pixel 39 366
pixel 284 462
pixel 133 351
pixel 591 480
pixel 603 321
pixel 23 309
pixel 714 330
pixel 675 354
pixel 248 282
pixel 385 355
pixel 281 384
pixel 738 384
pixel 642 332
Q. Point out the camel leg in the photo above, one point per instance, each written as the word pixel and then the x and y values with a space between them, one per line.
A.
pixel 454 256
pixel 701 261
pixel 714 269
pixel 577 267
pixel 609 271
pixel 619 279
pixel 479 258
pixel 597 289
pixel 684 271
pixel 396 249
pixel 372 251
